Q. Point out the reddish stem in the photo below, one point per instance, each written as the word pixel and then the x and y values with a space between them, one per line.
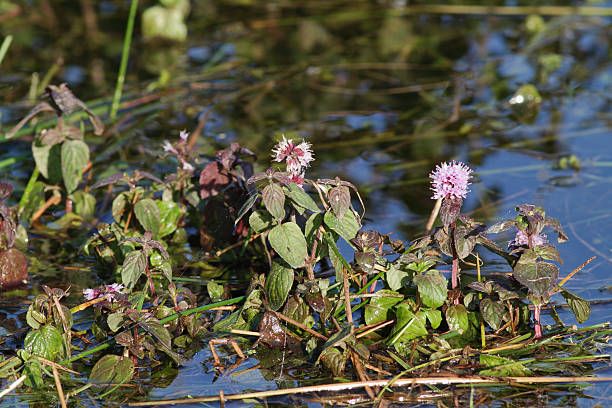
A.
pixel 538 326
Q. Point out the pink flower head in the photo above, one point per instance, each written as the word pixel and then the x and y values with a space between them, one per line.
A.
pixel 168 147
pixel 297 157
pixel 184 135
pixel 91 294
pixel 296 178
pixel 115 287
pixel 522 239
pixel 450 180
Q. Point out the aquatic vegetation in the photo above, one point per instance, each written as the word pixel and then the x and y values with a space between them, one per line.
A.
pixel 165 248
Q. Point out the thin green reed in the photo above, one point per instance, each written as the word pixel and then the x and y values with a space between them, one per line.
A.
pixel 124 59
pixel 6 43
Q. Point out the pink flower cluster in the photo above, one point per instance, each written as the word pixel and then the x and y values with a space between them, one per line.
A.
pixel 522 239
pixel 450 180
pixel 109 290
pixel 297 158
pixel 180 150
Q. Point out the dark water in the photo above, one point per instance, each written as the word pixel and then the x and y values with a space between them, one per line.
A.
pixel 382 94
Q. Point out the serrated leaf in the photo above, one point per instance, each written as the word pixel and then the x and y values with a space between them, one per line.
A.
pixel 580 306
pixel 334 360
pixel 396 278
pixel 301 198
pixel 432 288
pixel 46 342
pixel 169 215
pixel 111 369
pixel 246 207
pixel 339 198
pixel 75 156
pixel 84 204
pixel 347 227
pixel 148 215
pixel 548 252
pixel 115 321
pixel 274 200
pixel 261 221
pixel 434 317
pixel 377 310
pixel 278 284
pixel 538 277
pixel 492 313
pixel 289 242
pixel 118 207
pixel 464 241
pixel 457 318
pixel 133 266
pixel 408 326
pixel 312 226
pixel 450 210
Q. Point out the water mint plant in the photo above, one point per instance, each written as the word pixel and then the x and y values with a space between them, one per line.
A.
pixel 450 185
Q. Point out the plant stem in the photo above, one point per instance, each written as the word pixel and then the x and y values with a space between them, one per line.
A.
pixel 6 43
pixel 538 326
pixel 124 59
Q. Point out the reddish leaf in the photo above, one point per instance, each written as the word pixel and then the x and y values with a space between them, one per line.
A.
pixel 13 268
pixel 212 180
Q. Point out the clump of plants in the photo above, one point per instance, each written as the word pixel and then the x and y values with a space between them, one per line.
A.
pixel 315 284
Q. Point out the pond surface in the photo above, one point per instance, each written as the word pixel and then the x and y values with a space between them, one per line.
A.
pixel 382 92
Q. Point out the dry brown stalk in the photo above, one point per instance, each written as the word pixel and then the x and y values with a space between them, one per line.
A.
pixel 11 387
pixel 58 385
pixel 402 382
pixel 376 327
pixel 300 325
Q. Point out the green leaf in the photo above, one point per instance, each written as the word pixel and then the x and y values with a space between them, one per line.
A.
pixel 432 288
pixel 457 318
pixel 492 313
pixel 274 200
pixel 115 321
pixel 261 221
pixel 408 326
pixel 169 215
pixel 43 156
pixel 111 369
pixel 148 215
pixel 245 207
pixel 133 266
pixel 377 310
pixel 160 262
pixel 46 342
pixel 32 200
pixel 340 200
pixel 288 241
pixel 312 226
pixel 301 198
pixel 334 360
pixel 119 204
pixel 548 252
pixel 75 156
pixel 347 227
pixel 434 317
pixel 278 284
pixel 215 290
pixel 397 278
pixel 580 306
pixel 84 204
pixel 502 367
pixel 538 277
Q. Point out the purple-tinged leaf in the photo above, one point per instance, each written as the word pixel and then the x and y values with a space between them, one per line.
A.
pixel 492 312
pixel 451 207
pixel 538 277
pixel 274 200
pixel 13 268
pixel 340 200
pixel 109 180
pixel 465 240
pixel 213 179
pixel 555 225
